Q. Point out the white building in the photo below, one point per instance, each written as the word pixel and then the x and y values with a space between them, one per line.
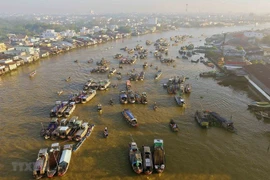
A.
pixel 112 27
pixel 68 33
pixel 50 34
pixel 152 21
pixel 252 34
pixel 85 31
pixel 96 29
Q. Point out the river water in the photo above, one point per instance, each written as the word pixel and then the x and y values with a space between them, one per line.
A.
pixel 192 153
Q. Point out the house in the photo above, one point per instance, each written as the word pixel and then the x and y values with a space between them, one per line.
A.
pixel 8 63
pixel 68 33
pixel 232 51
pixel 27 58
pixel 17 38
pixel 28 50
pixel 19 62
pixel 51 35
pixel 3 47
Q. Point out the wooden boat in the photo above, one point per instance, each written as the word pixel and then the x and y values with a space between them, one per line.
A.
pixel 187 88
pixel 174 126
pixel 60 92
pixel 128 85
pixel 141 76
pixel 40 164
pixel 68 79
pixel 259 105
pixel 64 160
pixel 158 74
pixel 129 117
pixel 88 96
pixel 62 108
pixel 106 132
pixel 54 110
pixel 159 155
pixel 145 65
pixel 81 132
pixel 76 126
pixel 54 156
pixel 180 101
pixel 46 133
pixel 33 73
pixel 99 108
pixel 216 120
pixel 135 158
pixel 138 98
pixel 87 84
pixel 202 117
pixel 104 84
pixel 147 160
pixel 89 131
pixel 123 98
pixel 112 71
pixel 265 115
pixel 70 108
pixel 144 98
pixel 94 85
pixel 131 97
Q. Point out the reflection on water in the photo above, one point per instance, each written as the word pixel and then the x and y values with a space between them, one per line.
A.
pixel 192 153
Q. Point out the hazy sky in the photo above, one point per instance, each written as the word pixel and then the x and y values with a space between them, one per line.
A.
pixel 125 6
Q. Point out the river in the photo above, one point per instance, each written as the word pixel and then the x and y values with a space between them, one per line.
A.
pixel 192 153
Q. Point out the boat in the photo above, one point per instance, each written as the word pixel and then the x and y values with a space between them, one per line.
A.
pixel 70 108
pixel 54 156
pixel 144 98
pixel 180 101
pixel 187 88
pixel 138 98
pixel 54 110
pixel 75 127
pixel 60 92
pixel 159 155
pixel 64 160
pixel 145 65
pixel 123 98
pixel 112 71
pixel 62 108
pixel 131 97
pixel 87 84
pixel 41 164
pixel 129 117
pixel 46 133
pixel 158 74
pixel 89 132
pixel 265 115
pixel 99 108
pixel 195 61
pixel 135 158
pixel 56 133
pixel 88 96
pixel 259 105
pixel 94 85
pixel 104 84
pixel 174 126
pixel 147 160
pixel 33 73
pixel 141 76
pixel 106 132
pixel 128 85
pixel 217 120
pixel 202 117
pixel 81 132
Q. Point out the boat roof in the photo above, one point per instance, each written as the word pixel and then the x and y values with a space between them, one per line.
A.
pixel 58 102
pixel 129 113
pixel 146 149
pixel 85 124
pixel 63 128
pixel 74 118
pixel 72 103
pixel 55 145
pixel 43 151
pixel 66 155
pixel 67 146
pixel 158 142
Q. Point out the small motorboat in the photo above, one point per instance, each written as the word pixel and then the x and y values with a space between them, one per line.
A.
pixel 155 106
pixel 174 126
pixel 99 108
pixel 68 79
pixel 33 73
pixel 60 92
pixel 106 132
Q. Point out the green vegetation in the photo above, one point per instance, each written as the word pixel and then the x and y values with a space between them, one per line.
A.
pixel 124 29
pixel 257 62
pixel 239 48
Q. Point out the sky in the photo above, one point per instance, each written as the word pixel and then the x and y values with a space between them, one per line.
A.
pixel 128 6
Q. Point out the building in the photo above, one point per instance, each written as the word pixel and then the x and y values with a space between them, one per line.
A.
pixel 84 31
pixel 51 34
pixel 152 21
pixel 9 63
pixel 3 47
pixel 68 33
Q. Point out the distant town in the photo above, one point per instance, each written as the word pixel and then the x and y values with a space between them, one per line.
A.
pixel 27 38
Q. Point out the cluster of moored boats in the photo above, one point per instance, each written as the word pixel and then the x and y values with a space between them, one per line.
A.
pixel 261 109
pixel 55 161
pixel 147 161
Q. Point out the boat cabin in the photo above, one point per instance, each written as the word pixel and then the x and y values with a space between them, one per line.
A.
pixel 217 119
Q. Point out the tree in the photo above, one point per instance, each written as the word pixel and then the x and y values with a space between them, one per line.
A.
pixel 124 29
